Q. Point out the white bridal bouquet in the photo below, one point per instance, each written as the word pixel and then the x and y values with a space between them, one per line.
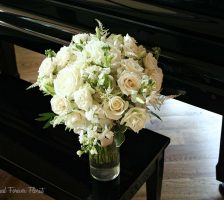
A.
pixel 101 84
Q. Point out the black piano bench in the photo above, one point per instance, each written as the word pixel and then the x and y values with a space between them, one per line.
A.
pixel 46 158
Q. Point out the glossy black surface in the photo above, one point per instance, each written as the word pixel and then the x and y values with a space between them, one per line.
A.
pixel 189 32
pixel 192 44
pixel 47 158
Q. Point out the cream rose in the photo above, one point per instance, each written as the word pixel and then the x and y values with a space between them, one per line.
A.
pixel 152 70
pixel 60 105
pixel 76 121
pixel 115 107
pixel 67 81
pixel 131 65
pixel 131 50
pixel 129 82
pixel 135 118
pixel 83 98
pixel 46 68
pixel 150 63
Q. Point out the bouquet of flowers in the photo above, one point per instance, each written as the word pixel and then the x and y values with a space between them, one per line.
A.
pixel 101 84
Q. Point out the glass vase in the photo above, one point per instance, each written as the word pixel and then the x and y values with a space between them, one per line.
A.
pixel 105 165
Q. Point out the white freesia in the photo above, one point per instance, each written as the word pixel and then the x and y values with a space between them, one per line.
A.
pixel 60 105
pixel 67 81
pixel 83 97
pixel 106 137
pixel 129 82
pixel 46 68
pixel 135 118
pixel 115 107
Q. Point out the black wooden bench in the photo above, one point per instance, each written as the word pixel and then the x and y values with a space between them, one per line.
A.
pixel 46 158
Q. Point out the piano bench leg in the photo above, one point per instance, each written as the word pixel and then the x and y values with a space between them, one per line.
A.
pixel 154 183
pixel 221 189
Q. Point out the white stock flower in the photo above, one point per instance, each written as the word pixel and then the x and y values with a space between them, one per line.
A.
pixel 115 107
pixel 131 49
pixel 135 118
pixel 131 65
pixel 83 97
pixel 152 70
pixel 67 81
pixel 129 82
pixel 80 38
pixel 60 105
pixel 46 68
pixel 76 121
pixel 94 51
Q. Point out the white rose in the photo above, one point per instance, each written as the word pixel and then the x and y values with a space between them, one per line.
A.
pixel 131 49
pixel 129 82
pixel 60 105
pixel 131 65
pixel 76 121
pixel 46 68
pixel 135 118
pixel 83 98
pixel 63 57
pixel 152 70
pixel 67 81
pixel 115 107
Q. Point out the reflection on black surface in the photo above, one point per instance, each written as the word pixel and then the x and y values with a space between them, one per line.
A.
pixel 105 190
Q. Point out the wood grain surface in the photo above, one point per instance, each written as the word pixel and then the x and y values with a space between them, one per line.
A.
pixel 190 159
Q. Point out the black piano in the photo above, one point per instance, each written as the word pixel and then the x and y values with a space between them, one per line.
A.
pixel 189 32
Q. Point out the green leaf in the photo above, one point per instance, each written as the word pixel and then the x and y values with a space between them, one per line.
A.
pixel 156 52
pixel 154 114
pixel 119 136
pixel 79 47
pixel 46 117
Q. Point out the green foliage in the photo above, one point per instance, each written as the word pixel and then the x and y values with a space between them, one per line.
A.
pixel 50 53
pixel 156 51
pixel 100 30
pixel 105 82
pixel 119 136
pixel 79 47
pixel 49 116
pixel 154 114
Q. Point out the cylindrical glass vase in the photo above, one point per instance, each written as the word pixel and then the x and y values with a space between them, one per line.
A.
pixel 105 165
